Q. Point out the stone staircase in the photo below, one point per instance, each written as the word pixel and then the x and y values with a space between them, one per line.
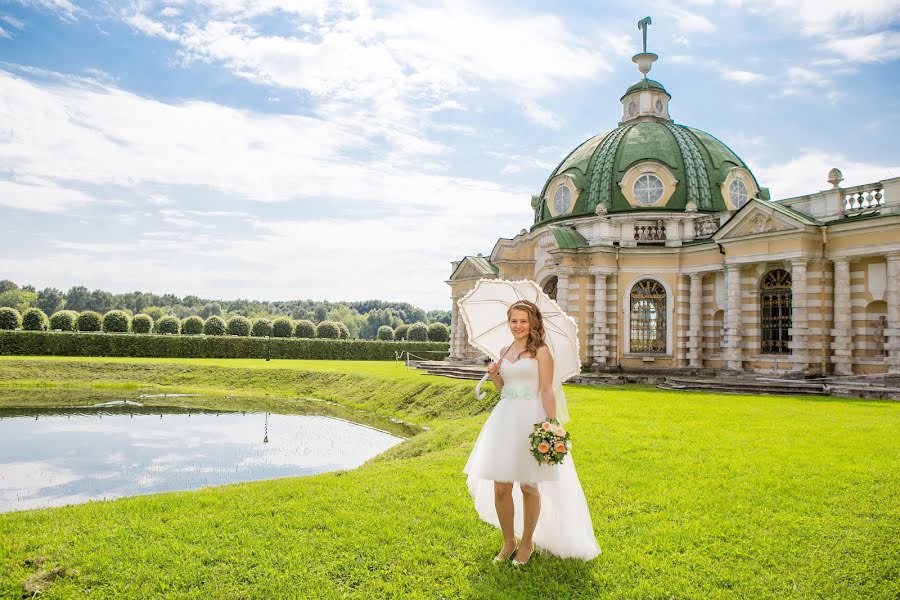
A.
pixel 449 369
pixel 740 385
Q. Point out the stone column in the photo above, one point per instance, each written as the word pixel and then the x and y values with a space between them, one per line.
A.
pixel 733 310
pixel 892 330
pixel 842 347
pixel 799 317
pixel 600 350
pixel 695 325
pixel 562 291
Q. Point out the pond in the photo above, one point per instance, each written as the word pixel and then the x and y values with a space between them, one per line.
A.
pixel 53 457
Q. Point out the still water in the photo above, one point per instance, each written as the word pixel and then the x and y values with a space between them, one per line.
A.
pixel 52 457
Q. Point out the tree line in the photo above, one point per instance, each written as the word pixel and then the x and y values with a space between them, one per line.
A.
pixel 362 319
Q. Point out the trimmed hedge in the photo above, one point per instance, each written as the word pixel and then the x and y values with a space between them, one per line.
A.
pixel 142 323
pixel 305 329
pixel 282 327
pixel 215 325
pixel 385 333
pixel 34 319
pixel 438 332
pixel 239 326
pixel 401 331
pixel 168 325
pixel 418 332
pixel 261 328
pixel 115 321
pixel 44 343
pixel 328 330
pixel 9 318
pixel 64 320
pixel 192 325
pixel 343 331
pixel 88 320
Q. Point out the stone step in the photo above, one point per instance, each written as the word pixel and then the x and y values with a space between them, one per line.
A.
pixel 744 386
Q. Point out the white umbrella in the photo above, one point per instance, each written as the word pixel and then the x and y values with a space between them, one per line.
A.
pixel 483 310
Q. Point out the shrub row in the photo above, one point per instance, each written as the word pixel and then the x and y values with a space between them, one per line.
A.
pixel 42 343
pixel 117 321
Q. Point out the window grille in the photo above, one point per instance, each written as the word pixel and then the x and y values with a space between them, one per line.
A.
pixel 775 312
pixel 648 317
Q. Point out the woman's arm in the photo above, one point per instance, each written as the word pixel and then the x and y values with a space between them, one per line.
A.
pixel 494 371
pixel 545 380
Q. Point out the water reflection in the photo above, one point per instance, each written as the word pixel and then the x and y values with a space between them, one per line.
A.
pixel 51 457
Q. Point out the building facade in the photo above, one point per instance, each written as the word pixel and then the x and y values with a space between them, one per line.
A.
pixel 659 241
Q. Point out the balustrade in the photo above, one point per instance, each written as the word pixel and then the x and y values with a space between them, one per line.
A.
pixel 644 232
pixel 863 199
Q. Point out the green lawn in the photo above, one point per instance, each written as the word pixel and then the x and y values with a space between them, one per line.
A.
pixel 692 496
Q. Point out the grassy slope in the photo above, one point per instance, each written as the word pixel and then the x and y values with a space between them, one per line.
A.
pixel 692 495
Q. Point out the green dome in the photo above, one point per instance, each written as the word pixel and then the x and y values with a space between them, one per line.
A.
pixel 697 161
pixel 646 84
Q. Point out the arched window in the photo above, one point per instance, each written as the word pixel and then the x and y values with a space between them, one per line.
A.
pixel 550 287
pixel 775 311
pixel 648 317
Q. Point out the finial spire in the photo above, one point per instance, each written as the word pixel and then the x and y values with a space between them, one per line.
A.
pixel 645 59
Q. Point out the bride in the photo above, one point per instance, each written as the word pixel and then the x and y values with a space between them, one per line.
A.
pixel 551 511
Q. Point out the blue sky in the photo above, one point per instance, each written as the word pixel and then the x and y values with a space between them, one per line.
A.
pixel 345 150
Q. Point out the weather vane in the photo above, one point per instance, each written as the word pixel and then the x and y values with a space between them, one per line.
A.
pixel 642 25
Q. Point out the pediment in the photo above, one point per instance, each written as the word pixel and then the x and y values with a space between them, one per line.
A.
pixel 474 268
pixel 757 218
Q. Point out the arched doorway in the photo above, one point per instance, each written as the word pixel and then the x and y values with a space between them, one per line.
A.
pixel 775 312
pixel 551 286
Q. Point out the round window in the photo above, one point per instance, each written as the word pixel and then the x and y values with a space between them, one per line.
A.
pixel 648 189
pixel 561 199
pixel 737 193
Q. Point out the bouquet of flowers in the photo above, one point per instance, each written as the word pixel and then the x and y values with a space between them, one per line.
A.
pixel 550 442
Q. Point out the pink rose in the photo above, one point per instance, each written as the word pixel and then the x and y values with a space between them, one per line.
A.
pixel 543 447
pixel 546 426
pixel 560 431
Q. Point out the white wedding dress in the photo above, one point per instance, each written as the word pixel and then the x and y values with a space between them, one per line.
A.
pixel 502 453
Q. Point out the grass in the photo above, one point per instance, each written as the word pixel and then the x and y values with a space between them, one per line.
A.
pixel 692 496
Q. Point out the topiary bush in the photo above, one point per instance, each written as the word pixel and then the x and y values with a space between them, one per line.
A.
pixel 214 326
pixel 168 325
pixel 261 328
pixel 401 331
pixel 305 329
pixel 192 325
pixel 88 320
pixel 385 333
pixel 63 320
pixel 282 327
pixel 34 319
pixel 238 326
pixel 418 332
pixel 115 321
pixel 142 324
pixel 343 331
pixel 328 330
pixel 438 332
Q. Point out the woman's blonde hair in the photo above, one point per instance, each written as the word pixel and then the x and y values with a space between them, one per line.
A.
pixel 535 321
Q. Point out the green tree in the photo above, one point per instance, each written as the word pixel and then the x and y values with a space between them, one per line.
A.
pixel 239 326
pixel 438 332
pixel 343 332
pixel 192 325
pixel 20 299
pixel 328 330
pixel 305 329
pixel 214 325
pixel 7 285
pixel 261 328
pixel 116 321
pixel 211 309
pixel 77 298
pixel 346 315
pixel 385 333
pixel 63 320
pixel 34 319
pixel 400 331
pixel 88 320
pixel 10 318
pixel 321 313
pixel 101 301
pixel 282 327
pixel 418 332
pixel 169 325
pixel 142 323
pixel 50 300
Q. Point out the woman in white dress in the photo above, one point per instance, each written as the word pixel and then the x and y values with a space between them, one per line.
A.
pixel 551 511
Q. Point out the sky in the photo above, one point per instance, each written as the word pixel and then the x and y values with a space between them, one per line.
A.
pixel 348 150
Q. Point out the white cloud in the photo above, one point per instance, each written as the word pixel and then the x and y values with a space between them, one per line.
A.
pixel 817 17
pixel 878 47
pixel 10 20
pixel 63 9
pixel 742 77
pixel 807 173
pixel 41 198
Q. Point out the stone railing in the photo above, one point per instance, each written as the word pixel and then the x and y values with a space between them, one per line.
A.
pixel 862 199
pixel 655 232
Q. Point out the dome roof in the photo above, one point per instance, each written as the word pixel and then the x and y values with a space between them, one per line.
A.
pixel 646 84
pixel 691 165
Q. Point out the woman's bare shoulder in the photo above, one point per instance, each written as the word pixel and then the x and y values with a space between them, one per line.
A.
pixel 544 350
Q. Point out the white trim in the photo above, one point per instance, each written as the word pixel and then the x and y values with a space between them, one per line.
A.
pixel 670 314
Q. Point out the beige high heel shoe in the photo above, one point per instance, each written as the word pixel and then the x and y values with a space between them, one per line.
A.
pixel 518 562
pixel 501 558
